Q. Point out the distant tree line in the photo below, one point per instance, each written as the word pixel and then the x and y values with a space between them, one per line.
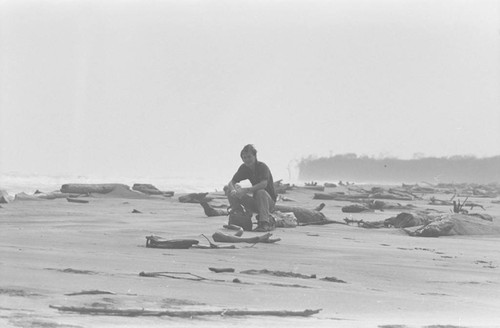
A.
pixel 350 167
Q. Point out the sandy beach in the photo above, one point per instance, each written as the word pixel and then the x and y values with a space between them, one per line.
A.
pixel 57 253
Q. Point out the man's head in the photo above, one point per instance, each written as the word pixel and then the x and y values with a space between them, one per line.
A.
pixel 249 155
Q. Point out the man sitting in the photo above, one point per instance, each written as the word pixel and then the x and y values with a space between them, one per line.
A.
pixel 263 196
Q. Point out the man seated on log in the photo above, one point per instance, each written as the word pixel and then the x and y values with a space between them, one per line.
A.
pixel 263 196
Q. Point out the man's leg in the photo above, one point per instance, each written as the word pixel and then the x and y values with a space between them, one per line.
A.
pixel 243 204
pixel 264 205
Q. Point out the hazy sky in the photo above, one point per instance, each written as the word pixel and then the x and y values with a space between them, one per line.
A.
pixel 160 88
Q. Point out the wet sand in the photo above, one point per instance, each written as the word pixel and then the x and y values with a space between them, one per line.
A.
pixel 52 248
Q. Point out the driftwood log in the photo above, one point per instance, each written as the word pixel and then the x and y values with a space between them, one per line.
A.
pixel 225 238
pixel 149 189
pixel 180 314
pixel 219 270
pixel 82 188
pixel 158 242
pixel 210 211
pixel 75 200
pixel 316 188
pixel 340 196
pixel 195 198
pixel 324 222
pixel 355 208
pixel 303 215
pixel 91 292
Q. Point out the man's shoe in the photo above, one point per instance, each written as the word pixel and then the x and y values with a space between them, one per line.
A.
pixel 264 227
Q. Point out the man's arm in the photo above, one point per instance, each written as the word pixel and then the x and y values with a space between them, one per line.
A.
pixel 258 186
pixel 230 188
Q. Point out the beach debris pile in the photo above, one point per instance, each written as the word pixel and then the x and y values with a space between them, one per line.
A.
pixel 220 237
pixel 420 224
pixel 71 191
pixel 358 193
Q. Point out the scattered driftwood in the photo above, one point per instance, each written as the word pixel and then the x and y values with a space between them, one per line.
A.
pixel 211 212
pixel 279 274
pixel 214 246
pixel 333 279
pixel 358 194
pixel 70 270
pixel 339 196
pixel 180 314
pixel 91 292
pixel 422 224
pixel 159 242
pixel 224 238
pixel 375 204
pixel 195 198
pixel 76 200
pixel 402 220
pixel 388 195
pixel 419 189
pixel 403 193
pixel 219 270
pixel 175 275
pixel 434 201
pixel 457 205
pixel 316 188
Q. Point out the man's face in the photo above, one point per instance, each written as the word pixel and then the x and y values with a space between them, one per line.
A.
pixel 248 159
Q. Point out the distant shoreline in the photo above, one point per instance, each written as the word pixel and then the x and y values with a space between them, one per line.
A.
pixel 350 167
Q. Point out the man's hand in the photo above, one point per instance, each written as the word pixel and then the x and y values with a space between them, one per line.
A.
pixel 240 192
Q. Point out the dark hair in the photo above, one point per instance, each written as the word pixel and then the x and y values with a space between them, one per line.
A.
pixel 249 149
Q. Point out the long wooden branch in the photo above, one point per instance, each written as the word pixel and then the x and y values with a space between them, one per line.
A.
pixel 224 238
pixel 322 223
pixel 181 314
